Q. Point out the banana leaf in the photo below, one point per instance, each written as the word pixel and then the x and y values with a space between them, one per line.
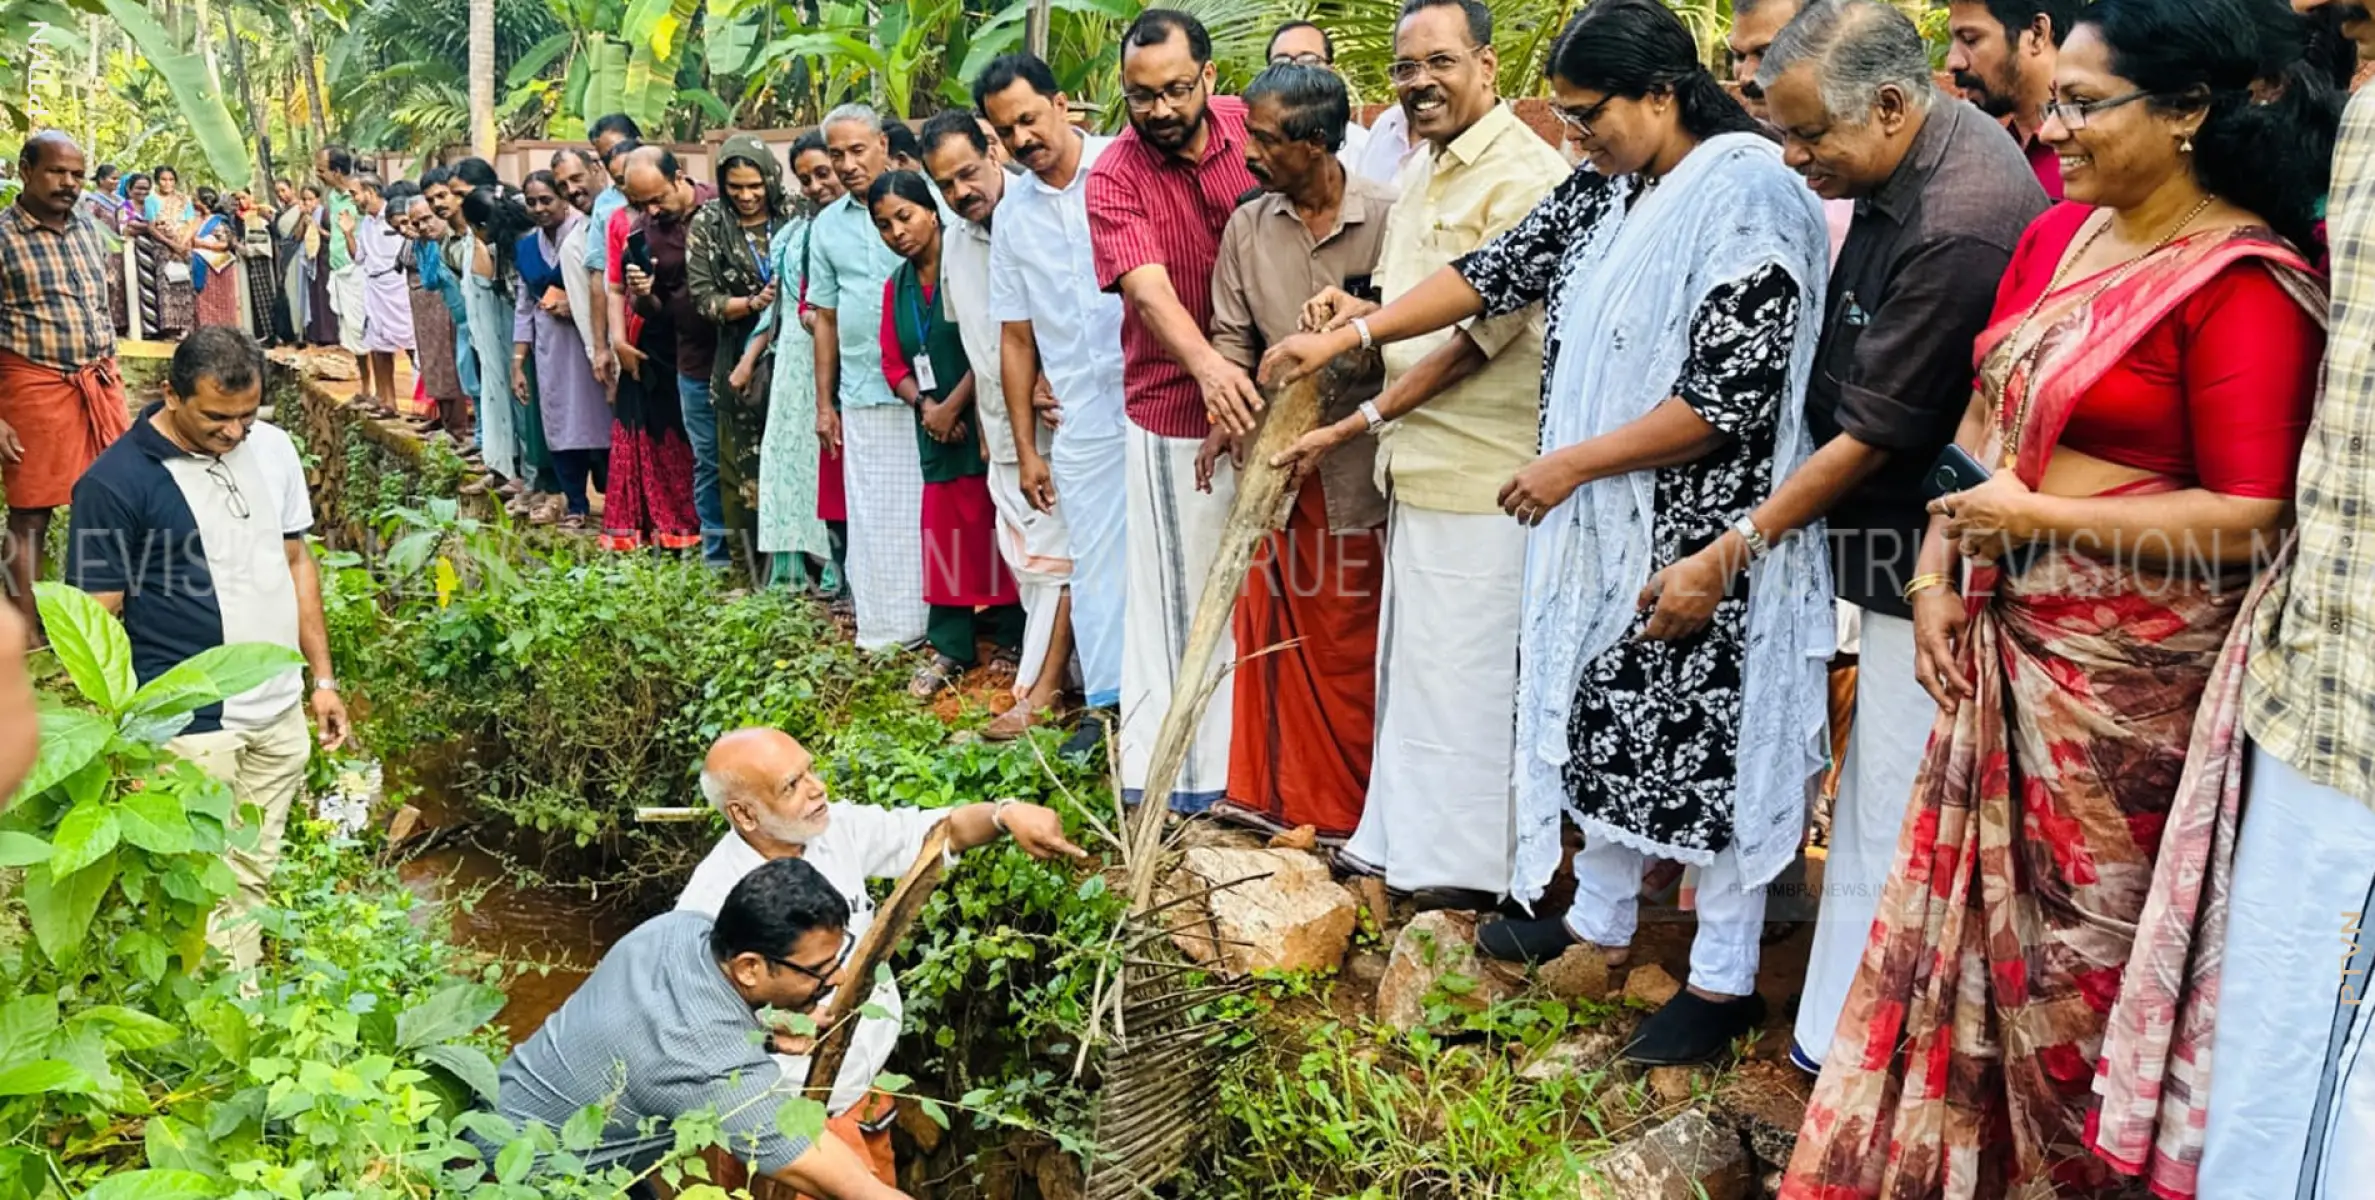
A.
pixel 195 89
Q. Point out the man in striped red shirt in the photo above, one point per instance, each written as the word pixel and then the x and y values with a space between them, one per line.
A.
pixel 1157 201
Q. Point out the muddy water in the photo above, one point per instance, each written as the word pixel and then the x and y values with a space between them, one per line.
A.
pixel 562 929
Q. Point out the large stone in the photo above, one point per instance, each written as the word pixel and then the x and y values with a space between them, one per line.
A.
pixel 1651 985
pixel 1436 952
pixel 1581 973
pixel 1690 1157
pixel 1266 910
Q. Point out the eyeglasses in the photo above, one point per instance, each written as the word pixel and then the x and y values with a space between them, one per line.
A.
pixel 1305 59
pixel 1406 71
pixel 824 974
pixel 2074 114
pixel 1580 120
pixel 220 472
pixel 1142 100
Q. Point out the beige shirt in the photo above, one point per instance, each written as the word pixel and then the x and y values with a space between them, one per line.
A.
pixel 1454 453
pixel 1269 264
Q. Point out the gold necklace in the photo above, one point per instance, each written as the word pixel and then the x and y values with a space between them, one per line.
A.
pixel 2027 358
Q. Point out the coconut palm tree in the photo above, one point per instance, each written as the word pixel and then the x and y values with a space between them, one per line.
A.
pixel 482 77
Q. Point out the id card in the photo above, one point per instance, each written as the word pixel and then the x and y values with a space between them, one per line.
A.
pixel 923 374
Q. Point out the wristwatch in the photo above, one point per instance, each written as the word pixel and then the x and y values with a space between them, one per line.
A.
pixel 323 683
pixel 1370 414
pixel 1745 525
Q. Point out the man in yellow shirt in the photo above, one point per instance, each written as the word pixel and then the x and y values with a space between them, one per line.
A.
pixel 1456 420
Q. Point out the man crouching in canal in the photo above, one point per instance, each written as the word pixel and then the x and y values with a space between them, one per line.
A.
pixel 766 784
pixel 669 1024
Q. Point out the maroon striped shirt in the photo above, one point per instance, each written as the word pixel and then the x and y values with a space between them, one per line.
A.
pixel 1146 206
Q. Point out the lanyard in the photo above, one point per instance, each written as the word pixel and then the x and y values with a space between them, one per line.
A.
pixel 923 327
pixel 760 253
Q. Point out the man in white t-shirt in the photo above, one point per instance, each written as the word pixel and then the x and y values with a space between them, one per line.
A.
pixel 766 784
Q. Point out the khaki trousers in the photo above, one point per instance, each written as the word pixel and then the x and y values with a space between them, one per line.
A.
pixel 264 767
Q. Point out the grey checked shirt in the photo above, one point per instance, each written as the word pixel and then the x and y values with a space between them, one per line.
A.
pixel 656 1031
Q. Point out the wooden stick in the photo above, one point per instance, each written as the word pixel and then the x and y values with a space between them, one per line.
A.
pixel 840 1018
pixel 1260 509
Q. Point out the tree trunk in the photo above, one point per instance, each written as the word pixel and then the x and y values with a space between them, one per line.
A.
pixel 257 120
pixel 482 78
pixel 313 83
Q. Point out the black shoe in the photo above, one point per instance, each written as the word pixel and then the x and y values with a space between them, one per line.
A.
pixel 1453 898
pixel 1088 738
pixel 1693 1029
pixel 1535 941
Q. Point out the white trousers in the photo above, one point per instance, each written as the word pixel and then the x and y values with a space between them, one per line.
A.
pixel 1037 549
pixel 1724 952
pixel 266 768
pixel 1174 535
pixel 1438 812
pixel 2292 1084
pixel 346 300
pixel 885 481
pixel 1093 493
pixel 1893 717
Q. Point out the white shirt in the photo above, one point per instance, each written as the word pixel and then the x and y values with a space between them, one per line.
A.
pixel 578 281
pixel 860 842
pixel 1041 271
pixel 1385 147
pixel 965 278
pixel 1356 143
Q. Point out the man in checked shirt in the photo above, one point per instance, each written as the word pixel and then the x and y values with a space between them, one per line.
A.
pixel 61 399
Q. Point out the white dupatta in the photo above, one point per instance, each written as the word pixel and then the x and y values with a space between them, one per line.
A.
pixel 1729 208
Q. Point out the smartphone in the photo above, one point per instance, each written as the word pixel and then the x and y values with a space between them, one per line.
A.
pixel 1955 470
pixel 638 254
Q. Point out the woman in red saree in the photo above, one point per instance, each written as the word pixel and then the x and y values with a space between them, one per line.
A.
pixel 2144 389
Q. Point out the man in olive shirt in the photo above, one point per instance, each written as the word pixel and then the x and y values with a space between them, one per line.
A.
pixel 1307 624
pixel 1941 199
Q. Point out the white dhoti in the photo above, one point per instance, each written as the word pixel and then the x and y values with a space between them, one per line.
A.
pixel 346 299
pixel 1439 807
pixel 2292 1083
pixel 1893 716
pixel 1174 535
pixel 884 477
pixel 1093 493
pixel 1038 550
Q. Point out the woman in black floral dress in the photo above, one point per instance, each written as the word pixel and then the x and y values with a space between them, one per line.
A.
pixel 1682 273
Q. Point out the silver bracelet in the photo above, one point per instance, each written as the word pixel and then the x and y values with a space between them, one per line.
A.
pixel 1360 325
pixel 1370 414
pixel 998 814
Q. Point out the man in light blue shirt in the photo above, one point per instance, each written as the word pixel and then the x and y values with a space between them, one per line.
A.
pixel 857 414
pixel 1057 322
pixel 607 132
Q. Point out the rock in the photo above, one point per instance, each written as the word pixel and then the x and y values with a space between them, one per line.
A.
pixel 1301 837
pixel 1284 912
pixel 1766 1102
pixel 1437 948
pixel 1364 969
pixel 403 825
pixel 1672 1085
pixel 1579 1055
pixel 1620 1102
pixel 1651 985
pixel 1579 974
pixel 1688 1158
pixel 1374 899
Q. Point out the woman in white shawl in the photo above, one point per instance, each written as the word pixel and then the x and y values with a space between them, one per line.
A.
pixel 1682 270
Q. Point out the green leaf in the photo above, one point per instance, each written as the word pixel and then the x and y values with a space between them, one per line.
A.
pixel 88 639
pixel 89 831
pixel 210 676
pixel 932 1110
pixel 892 1081
pixel 583 1130
pixel 177 1146
pixel 128 1028
pixel 70 740
pixel 25 1025
pixel 154 1185
pixel 468 1064
pixel 454 1012
pixel 801 1118
pixel 61 909
pixel 193 87
pixel 538 57
pixel 153 820
pixel 21 849
pixel 513 1161
pixel 43 1076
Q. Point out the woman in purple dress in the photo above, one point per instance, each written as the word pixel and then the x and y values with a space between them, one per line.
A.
pixel 576 415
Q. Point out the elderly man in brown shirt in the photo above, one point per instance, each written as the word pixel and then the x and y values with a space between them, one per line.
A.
pixel 1306 627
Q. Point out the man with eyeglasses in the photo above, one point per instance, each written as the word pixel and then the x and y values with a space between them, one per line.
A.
pixel 2002 53
pixel 192 527
pixel 1459 414
pixel 1942 198
pixel 670 1023
pixel 766 784
pixel 660 191
pixel 1157 200
pixel 1307 45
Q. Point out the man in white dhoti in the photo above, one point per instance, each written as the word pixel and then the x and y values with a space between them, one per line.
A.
pixel 766 785
pixel 1057 324
pixel 1463 406
pixel 1036 545
pixel 855 409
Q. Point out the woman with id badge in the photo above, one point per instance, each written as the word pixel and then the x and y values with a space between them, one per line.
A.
pixel 966 582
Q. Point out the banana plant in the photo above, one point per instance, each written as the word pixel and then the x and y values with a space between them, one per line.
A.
pixel 195 89
pixel 106 811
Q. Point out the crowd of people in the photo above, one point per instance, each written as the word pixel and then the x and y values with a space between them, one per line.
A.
pixel 2043 401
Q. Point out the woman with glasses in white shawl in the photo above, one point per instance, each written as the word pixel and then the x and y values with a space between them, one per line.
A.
pixel 1683 269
